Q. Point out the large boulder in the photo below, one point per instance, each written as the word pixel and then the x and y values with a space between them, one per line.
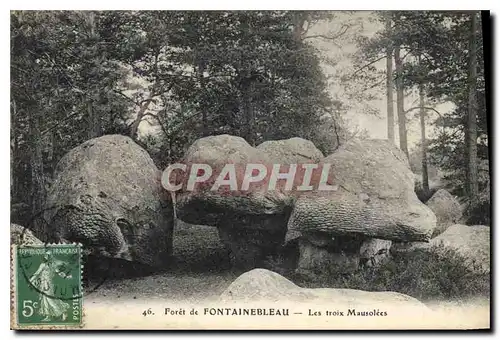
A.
pixel 471 242
pixel 446 208
pixel 206 207
pixel 106 194
pixel 374 203
pixel 261 285
pixel 269 293
pixel 222 149
pixel 293 150
pixel 251 222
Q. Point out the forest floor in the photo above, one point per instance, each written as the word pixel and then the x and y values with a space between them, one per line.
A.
pixel 201 272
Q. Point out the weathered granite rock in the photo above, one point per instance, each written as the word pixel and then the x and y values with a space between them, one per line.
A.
pixel 314 258
pixel 22 235
pixel 261 285
pixel 253 222
pixel 446 208
pixel 222 149
pixel 290 151
pixel 374 200
pixel 106 194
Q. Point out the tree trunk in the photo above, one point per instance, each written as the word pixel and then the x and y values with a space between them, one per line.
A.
pixel 299 20
pixel 389 82
pixel 134 128
pixel 471 141
pixel 425 173
pixel 94 124
pixel 36 165
pixel 403 144
pixel 203 107
pixel 248 110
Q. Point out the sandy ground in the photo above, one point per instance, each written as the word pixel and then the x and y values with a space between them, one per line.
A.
pixel 201 272
pixel 168 287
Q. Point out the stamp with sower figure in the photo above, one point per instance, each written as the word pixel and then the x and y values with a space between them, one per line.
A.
pixel 48 285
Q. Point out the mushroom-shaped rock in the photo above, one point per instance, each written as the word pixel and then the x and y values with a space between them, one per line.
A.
pixel 471 242
pixel 106 194
pixel 374 199
pixel 22 235
pixel 262 285
pixel 223 149
pixel 446 208
pixel 290 151
pixel 200 204
pixel 251 220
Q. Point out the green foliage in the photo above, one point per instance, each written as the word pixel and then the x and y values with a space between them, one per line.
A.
pixel 241 73
pixel 423 274
pixel 80 75
pixel 435 47
pixel 416 162
pixel 479 213
pixel 59 75
pixel 441 39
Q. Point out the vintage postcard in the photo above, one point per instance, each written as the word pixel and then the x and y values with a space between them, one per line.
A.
pixel 244 170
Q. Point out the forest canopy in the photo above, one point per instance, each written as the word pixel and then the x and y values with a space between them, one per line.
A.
pixel 167 78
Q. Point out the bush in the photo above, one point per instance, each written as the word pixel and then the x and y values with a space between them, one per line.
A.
pixel 479 213
pixel 436 273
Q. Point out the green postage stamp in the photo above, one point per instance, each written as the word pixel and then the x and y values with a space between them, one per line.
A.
pixel 47 286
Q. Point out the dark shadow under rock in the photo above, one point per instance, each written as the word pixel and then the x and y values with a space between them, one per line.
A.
pixel 252 238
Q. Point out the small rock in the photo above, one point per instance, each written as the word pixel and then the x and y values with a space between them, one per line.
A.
pixel 446 208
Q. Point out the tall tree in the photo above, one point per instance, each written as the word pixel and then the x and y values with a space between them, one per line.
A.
pixel 471 141
pixel 56 76
pixel 445 40
pixel 400 98
pixel 389 79
pixel 94 125
pixel 386 44
pixel 423 139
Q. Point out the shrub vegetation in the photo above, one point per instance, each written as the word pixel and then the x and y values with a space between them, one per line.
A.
pixel 433 274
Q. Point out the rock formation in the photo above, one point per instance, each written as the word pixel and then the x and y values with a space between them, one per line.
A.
pixel 21 235
pixel 374 204
pixel 252 222
pixel 446 208
pixel 106 194
pixel 266 286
